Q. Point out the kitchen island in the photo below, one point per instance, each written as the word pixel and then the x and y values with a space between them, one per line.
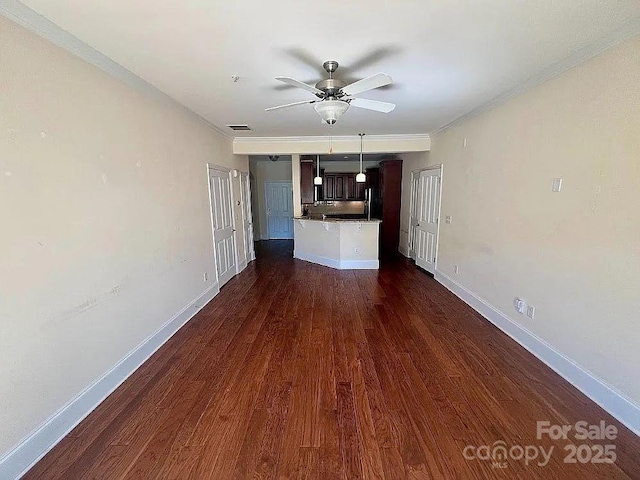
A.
pixel 344 244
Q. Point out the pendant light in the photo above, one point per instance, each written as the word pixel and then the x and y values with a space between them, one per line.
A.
pixel 361 177
pixel 318 179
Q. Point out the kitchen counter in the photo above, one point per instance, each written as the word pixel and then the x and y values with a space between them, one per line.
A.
pixel 330 219
pixel 344 244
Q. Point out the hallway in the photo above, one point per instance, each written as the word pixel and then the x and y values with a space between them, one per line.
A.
pixel 300 371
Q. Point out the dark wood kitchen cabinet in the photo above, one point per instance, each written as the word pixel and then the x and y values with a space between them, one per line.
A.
pixel 329 187
pixel 342 186
pixel 354 190
pixel 306 182
pixel 307 188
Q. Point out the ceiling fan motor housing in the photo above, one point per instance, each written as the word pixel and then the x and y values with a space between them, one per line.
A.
pixel 331 87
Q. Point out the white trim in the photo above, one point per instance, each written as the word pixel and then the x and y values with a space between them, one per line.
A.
pixel 627 31
pixel 45 28
pixel 234 224
pixel 404 249
pixel 606 396
pixel 440 181
pixel 338 264
pixel 24 455
pixel 241 266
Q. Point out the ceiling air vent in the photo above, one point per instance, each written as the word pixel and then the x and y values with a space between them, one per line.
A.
pixel 239 127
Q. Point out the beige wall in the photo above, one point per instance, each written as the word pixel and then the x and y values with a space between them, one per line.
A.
pixel 264 171
pixel 105 221
pixel 574 255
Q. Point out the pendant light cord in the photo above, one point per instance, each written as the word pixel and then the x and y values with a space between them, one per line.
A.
pixel 361 135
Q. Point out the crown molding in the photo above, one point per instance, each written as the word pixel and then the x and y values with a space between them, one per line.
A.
pixel 45 28
pixel 341 144
pixel 629 30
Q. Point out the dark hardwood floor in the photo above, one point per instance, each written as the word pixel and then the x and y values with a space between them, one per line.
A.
pixel 299 371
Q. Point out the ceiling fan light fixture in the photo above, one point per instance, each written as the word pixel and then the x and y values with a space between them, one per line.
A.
pixel 331 110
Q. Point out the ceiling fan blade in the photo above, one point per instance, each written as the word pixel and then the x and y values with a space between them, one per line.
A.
pixel 383 107
pixel 372 57
pixel 299 84
pixel 369 83
pixel 289 105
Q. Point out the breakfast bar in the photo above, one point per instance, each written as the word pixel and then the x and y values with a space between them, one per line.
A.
pixel 337 243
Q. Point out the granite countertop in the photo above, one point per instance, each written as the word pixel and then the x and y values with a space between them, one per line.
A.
pixel 340 220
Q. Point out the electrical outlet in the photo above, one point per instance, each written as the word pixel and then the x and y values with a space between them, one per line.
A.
pixel 456 269
pixel 519 304
pixel 205 276
pixel 557 185
pixel 531 312
pixel 447 219
pixel 356 251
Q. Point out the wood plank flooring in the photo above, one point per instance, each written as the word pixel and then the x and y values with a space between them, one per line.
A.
pixel 299 371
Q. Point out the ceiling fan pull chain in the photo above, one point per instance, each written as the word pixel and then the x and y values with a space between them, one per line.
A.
pixel 330 139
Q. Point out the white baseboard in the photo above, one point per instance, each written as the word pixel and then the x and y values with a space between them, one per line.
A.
pixel 241 266
pixel 359 264
pixel 606 396
pixel 24 455
pixel 339 264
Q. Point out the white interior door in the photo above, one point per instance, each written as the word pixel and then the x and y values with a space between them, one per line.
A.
pixel 413 213
pixel 247 216
pixel 222 220
pixel 428 213
pixel 279 209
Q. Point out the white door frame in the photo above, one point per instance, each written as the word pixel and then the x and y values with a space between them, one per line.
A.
pixel 266 200
pixel 412 198
pixel 417 173
pixel 247 211
pixel 213 166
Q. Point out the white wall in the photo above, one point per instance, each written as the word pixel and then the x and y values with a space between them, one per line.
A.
pixel 106 230
pixel 266 171
pixel 574 255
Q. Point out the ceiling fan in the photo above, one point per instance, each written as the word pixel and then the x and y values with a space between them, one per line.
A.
pixel 335 97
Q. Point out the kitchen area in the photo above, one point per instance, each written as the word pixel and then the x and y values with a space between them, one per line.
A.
pixel 350 210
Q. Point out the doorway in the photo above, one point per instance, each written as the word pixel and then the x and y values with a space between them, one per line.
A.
pixel 224 242
pixel 424 222
pixel 279 205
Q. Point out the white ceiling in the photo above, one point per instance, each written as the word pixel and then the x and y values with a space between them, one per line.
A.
pixel 447 57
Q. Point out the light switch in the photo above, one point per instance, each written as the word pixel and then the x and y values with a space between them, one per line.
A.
pixel 447 219
pixel 557 184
